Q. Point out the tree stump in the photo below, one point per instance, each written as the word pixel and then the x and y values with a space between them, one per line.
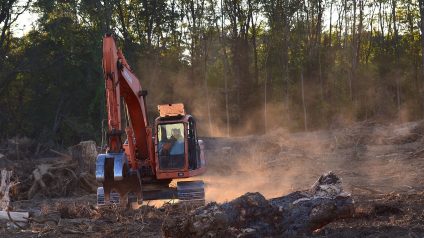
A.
pixel 85 155
pixel 5 186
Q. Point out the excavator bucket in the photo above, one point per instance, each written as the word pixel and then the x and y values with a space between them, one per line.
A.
pixel 121 185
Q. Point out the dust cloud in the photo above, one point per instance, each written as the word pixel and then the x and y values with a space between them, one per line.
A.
pixel 367 156
pixel 372 155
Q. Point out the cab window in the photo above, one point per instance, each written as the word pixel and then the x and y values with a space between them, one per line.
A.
pixel 171 149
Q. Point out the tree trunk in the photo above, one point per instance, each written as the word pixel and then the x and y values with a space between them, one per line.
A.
pixel 352 73
pixel 331 25
pixel 359 35
pixel 421 5
pixel 318 42
pixel 225 68
pixel 85 154
pixel 286 43
pixel 5 186
pixel 381 21
pixel 395 31
pixel 205 52
pixel 255 52
pixel 305 123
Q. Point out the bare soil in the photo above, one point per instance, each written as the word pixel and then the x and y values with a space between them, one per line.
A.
pixel 380 165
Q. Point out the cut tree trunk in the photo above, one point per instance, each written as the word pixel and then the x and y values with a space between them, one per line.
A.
pixel 5 186
pixel 299 213
pixel 85 155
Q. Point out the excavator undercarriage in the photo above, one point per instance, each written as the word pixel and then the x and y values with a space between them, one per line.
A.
pixel 186 191
pixel 122 186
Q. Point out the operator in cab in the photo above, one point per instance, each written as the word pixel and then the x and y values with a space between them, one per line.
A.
pixel 176 135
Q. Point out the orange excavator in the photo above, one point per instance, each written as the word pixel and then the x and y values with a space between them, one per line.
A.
pixel 141 161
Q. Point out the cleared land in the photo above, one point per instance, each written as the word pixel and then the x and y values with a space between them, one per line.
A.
pixel 380 165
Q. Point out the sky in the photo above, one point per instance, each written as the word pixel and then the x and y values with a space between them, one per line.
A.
pixel 27 20
pixel 24 23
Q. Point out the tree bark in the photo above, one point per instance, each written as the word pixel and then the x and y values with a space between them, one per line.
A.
pixel 225 68
pixel 205 78
pixel 5 186
pixel 395 32
pixel 421 5
pixel 305 123
pixel 85 155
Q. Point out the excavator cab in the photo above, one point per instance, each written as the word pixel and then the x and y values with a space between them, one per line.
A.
pixel 179 153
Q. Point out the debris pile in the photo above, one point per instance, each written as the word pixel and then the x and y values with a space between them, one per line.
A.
pixel 252 215
pixel 40 171
pixel 60 179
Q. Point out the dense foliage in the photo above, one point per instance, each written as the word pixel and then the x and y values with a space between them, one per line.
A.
pixel 241 66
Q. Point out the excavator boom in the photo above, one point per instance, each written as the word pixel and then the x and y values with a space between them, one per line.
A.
pixel 120 81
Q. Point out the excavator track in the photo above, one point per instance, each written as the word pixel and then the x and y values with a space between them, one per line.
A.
pixel 191 191
pixel 188 192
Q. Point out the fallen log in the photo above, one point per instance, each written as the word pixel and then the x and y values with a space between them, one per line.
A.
pixel 15 216
pixel 296 214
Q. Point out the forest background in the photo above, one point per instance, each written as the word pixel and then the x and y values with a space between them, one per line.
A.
pixel 241 67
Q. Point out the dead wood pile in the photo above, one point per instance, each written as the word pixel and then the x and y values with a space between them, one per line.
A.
pixel 70 175
pixel 251 215
pixel 78 216
pixel 40 171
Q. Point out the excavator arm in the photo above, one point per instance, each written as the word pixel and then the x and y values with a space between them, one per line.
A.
pixel 119 168
pixel 120 82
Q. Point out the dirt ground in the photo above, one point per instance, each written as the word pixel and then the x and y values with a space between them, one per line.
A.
pixel 380 165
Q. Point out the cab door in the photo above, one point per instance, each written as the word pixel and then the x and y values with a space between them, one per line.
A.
pixel 171 146
pixel 193 145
